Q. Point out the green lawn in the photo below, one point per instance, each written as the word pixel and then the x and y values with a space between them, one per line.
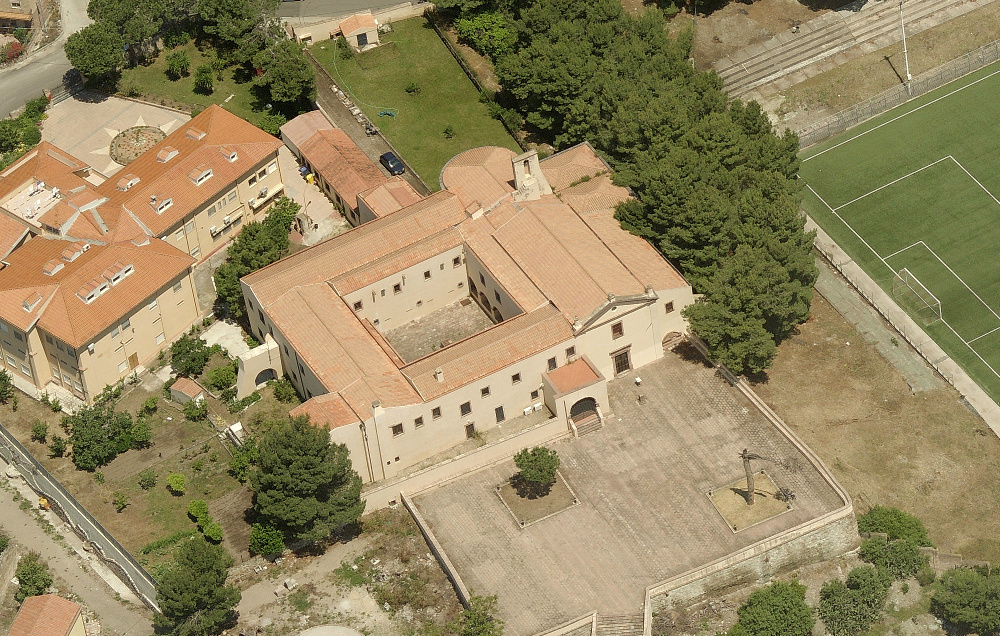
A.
pixel 377 81
pixel 918 188
pixel 154 85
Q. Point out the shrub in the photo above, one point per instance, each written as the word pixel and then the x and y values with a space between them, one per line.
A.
pixel 32 575
pixel 204 80
pixel 175 483
pixel 166 388
pixel 196 411
pixel 221 377
pixel 188 355
pixel 244 459
pixel 142 434
pixel 6 387
pixel 266 540
pixel 779 608
pixel 176 37
pixel 99 477
pixel 449 132
pixel 284 391
pixel 488 32
pixel 271 123
pixel 213 531
pixel 14 49
pixel 58 446
pixel 901 559
pixel 538 467
pixel 852 607
pixel 22 34
pixel 34 108
pixel 344 48
pixel 39 431
pixel 178 65
pixel 895 523
pixel 968 599
pixel 120 501
pixel 147 479
pixel 412 88
pixel 926 575
pixel 31 136
pixel 149 406
pixel 198 511
pixel 4 540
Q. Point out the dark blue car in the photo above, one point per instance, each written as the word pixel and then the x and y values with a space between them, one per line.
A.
pixel 392 163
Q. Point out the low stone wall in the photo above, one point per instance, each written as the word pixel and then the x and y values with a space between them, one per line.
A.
pixel 383 496
pixel 449 568
pixel 586 624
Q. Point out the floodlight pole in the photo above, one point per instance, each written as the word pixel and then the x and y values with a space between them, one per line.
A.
pixel 906 57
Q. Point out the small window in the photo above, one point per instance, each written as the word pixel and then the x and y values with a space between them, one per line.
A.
pixel 482 279
pixel 466 408
pixel 441 267
pixel 232 196
pixel 189 227
pixel 534 395
pixel 115 331
pixel 126 324
pixel 160 338
pixel 252 180
pixel 59 346
pixel 397 288
pixel 418 422
pixel 496 295
pixel 48 339
pixel 552 364
pixel 435 412
pixel 427 275
pixel 515 379
pixel 570 352
pixel 383 293
pixel 212 209
pixel 19 335
pixel 151 306
pixel 26 370
pixel 262 173
pixel 470 430
pixel 498 411
pixel 669 307
pixel 456 262
pixel 122 366
pixel 617 331
pixel 397 430
pixel 196 251
pixel 271 167
pixel 4 328
pixel 484 392
pixel 177 286
pixel 179 235
pixel 358 305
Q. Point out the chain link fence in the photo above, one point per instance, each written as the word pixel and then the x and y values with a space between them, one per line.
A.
pixel 920 85
pixel 83 523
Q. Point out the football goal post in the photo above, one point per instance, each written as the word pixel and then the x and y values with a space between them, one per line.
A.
pixel 914 298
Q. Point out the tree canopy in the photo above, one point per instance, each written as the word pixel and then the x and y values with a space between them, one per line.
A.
pixel 99 434
pixel 852 607
pixel 715 187
pixel 895 523
pixel 286 75
pixel 192 594
pixel 259 243
pixel 968 599
pixel 776 610
pixel 96 50
pixel 303 484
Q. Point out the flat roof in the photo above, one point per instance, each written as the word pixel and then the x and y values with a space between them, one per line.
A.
pixel 572 376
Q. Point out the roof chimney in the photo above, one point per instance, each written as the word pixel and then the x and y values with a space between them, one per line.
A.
pixel 439 374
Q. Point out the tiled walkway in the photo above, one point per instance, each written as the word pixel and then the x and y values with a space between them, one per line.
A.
pixel 644 514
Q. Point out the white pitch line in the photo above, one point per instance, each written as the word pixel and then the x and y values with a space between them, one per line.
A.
pixel 895 181
pixel 976 180
pixel 982 335
pixel 886 123
pixel 902 250
pixel 860 238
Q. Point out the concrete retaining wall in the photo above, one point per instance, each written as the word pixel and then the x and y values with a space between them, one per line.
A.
pixel 388 494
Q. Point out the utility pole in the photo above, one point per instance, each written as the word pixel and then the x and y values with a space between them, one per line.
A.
pixel 906 57
pixel 746 457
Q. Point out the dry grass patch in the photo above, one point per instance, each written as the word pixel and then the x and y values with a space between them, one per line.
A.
pixel 527 508
pixel 731 502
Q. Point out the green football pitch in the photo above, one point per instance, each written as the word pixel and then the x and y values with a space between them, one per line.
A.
pixel 913 196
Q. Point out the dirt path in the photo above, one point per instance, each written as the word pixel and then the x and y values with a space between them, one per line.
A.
pixel 71 573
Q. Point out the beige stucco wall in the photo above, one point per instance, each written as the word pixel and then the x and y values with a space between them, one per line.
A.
pixel 481 282
pixel 78 627
pixel 193 233
pixel 418 296
pixel 253 362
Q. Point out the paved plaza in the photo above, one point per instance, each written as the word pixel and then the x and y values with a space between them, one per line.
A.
pixel 438 329
pixel 644 515
pixel 85 124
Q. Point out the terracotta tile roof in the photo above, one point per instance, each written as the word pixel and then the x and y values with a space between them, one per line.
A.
pixel 483 247
pixel 357 23
pixel 390 196
pixel 12 232
pixel 480 175
pixel 222 130
pixel 300 129
pixel 641 258
pixel 46 615
pixel 330 339
pixel 61 311
pixel 397 261
pixel 335 157
pixel 597 194
pixel 572 164
pixel 358 247
pixel 488 351
pixel 188 387
pixel 572 376
pixel 45 163
pixel 329 410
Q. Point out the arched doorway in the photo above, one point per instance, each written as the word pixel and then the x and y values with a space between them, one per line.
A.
pixel 583 410
pixel 496 315
pixel 264 376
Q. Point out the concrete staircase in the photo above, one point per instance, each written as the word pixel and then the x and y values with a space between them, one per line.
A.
pixel 588 425
pixel 620 625
pixel 871 25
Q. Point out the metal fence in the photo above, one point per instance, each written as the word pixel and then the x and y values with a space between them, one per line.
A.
pixel 920 85
pixel 84 525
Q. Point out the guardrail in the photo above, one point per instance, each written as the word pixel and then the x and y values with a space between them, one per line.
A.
pixel 106 547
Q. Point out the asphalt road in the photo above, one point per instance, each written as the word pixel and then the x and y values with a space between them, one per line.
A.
pixel 44 69
pixel 314 8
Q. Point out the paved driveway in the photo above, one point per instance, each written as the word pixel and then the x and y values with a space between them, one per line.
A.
pixel 644 514
pixel 85 124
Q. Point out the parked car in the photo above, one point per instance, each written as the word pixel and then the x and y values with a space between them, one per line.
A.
pixel 392 163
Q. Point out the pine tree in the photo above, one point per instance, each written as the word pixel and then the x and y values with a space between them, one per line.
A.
pixel 192 594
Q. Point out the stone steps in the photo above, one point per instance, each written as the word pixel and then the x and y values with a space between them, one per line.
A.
pixel 588 425
pixel 620 625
